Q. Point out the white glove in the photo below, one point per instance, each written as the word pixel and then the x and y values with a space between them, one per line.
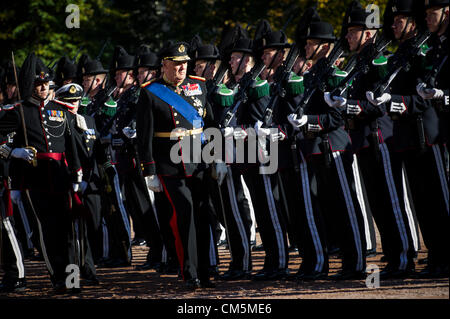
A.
pixel 129 132
pixel 295 122
pixel 386 97
pixel 227 132
pixel 260 130
pixel 75 187
pixel 428 94
pixel 153 183
pixel 353 109
pixel 15 196
pixel 335 101
pixel 23 153
pixel 83 186
pixel 221 172
pixel 276 137
pixel 240 134
pixel 106 139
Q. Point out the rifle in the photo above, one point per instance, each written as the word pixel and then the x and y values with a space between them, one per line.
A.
pixel 367 55
pixel 319 75
pixel 401 61
pixel 241 96
pixel 76 55
pixel 280 78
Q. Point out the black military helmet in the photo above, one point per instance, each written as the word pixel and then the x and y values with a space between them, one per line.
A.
pixel 92 67
pixel 65 70
pixel 69 92
pixel 175 51
pixel 320 30
pixel 275 40
pixel 146 58
pixel 9 77
pixel 33 71
pixel 358 16
pixel 122 60
pixel 207 52
pixel 436 3
pixel 244 45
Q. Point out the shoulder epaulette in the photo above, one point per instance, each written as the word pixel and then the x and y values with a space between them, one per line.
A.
pixel 340 73
pixel 382 60
pixel 424 50
pixel 224 96
pixel 295 78
pixel 148 83
pixel 85 101
pixel 197 78
pixel 259 89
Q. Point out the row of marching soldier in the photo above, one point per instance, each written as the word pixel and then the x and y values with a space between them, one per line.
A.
pixel 357 125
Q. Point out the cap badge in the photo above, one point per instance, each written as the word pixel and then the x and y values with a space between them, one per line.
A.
pixel 72 89
pixel 181 49
pixel 42 75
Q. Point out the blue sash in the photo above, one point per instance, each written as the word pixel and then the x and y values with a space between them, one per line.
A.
pixel 178 103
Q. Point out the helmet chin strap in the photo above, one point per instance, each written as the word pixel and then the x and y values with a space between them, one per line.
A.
pixel 441 21
pixel 404 29
pixel 315 51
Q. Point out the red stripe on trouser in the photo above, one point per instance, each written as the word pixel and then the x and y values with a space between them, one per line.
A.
pixel 9 208
pixel 174 226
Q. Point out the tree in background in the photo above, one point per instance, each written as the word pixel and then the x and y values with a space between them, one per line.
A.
pixel 39 25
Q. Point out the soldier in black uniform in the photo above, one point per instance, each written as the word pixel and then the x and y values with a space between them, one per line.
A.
pixel 53 170
pixel 65 72
pixel 326 165
pixel 371 129
pixel 98 104
pixel 412 117
pixel 434 88
pixel 176 101
pixel 11 253
pixel 263 188
pixel 85 203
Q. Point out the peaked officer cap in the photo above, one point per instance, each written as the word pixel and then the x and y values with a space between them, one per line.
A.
pixel 175 51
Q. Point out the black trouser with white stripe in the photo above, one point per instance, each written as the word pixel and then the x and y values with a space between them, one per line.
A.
pixel 388 206
pixel 306 216
pixel 337 194
pixel 429 188
pixel 264 193
pixel 10 249
pixel 189 221
pixel 237 220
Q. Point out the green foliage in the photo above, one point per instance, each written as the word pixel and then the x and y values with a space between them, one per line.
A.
pixel 39 25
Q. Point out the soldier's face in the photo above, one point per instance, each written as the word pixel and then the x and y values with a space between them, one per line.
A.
pixel 41 90
pixel 235 60
pixel 175 71
pixel 433 18
pixel 401 25
pixel 200 66
pixel 353 36
pixel 311 47
pixel 10 90
pixel 268 57
pixel 145 75
pixel 125 77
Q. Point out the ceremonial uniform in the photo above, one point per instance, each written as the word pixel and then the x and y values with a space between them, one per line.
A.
pixel 162 108
pixel 49 182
